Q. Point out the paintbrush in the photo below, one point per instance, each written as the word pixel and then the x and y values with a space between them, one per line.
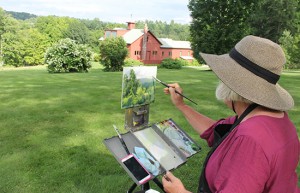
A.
pixel 175 90
pixel 121 140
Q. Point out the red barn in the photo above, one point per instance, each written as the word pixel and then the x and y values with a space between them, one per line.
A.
pixel 144 46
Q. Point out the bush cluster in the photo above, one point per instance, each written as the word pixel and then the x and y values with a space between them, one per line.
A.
pixel 132 62
pixel 170 63
pixel 194 63
pixel 67 56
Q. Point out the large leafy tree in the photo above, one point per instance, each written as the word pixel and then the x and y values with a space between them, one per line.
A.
pixel 113 52
pixel 7 25
pixel 25 47
pixel 53 26
pixel 271 17
pixel 77 31
pixel 291 43
pixel 218 25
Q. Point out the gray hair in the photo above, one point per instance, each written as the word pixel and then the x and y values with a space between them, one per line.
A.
pixel 223 92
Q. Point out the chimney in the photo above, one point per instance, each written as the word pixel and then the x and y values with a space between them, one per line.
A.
pixel 131 25
pixel 145 28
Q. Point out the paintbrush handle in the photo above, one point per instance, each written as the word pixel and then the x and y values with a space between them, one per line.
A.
pixel 185 97
pixel 161 82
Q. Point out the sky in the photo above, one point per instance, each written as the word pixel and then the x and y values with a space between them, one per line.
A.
pixel 120 11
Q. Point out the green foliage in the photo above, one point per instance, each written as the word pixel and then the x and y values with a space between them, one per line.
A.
pixel 215 28
pixel 136 92
pixel 218 25
pixel 194 63
pixel 67 56
pixel 96 57
pixel 170 63
pixel 21 15
pixel 283 15
pixel 24 48
pixel 77 31
pixel 3 16
pixel 7 25
pixel 113 52
pixel 291 47
pixel 132 62
pixel 53 26
pixel 96 24
pixel 172 30
pixel 94 42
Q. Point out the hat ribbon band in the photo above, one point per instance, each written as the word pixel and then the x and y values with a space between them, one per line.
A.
pixel 254 68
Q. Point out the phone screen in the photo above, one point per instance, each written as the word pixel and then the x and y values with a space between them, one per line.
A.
pixel 136 168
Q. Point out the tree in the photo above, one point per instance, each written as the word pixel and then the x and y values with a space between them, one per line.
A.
pixel 24 48
pixel 7 24
pixel 67 56
pixel 35 44
pixel 113 52
pixel 283 14
pixel 218 25
pixel 21 15
pixel 291 47
pixel 271 17
pixel 161 29
pixel 12 49
pixel 77 31
pixel 55 27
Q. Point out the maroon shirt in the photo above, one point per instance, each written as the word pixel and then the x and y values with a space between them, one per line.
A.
pixel 260 155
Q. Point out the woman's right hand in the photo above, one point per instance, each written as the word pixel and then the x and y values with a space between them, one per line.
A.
pixel 176 98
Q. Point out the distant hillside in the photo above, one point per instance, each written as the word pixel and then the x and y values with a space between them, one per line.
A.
pixel 21 15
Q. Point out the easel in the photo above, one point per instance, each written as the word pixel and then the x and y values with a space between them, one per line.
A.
pixel 137 124
pixel 146 186
pixel 130 114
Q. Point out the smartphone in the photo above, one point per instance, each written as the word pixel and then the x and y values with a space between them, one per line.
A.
pixel 136 169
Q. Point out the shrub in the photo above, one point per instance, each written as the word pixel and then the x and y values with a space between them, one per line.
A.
pixel 170 63
pixel 67 56
pixel 194 63
pixel 113 52
pixel 96 57
pixel 132 62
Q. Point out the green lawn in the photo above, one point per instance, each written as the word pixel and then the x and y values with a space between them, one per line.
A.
pixel 53 127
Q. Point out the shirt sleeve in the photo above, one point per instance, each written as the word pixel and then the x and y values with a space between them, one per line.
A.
pixel 243 169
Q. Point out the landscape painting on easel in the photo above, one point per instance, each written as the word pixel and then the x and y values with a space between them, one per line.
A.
pixel 138 86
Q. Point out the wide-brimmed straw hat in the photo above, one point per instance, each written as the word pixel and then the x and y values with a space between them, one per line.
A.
pixel 252 70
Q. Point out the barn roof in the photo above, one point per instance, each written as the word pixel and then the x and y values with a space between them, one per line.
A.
pixel 169 43
pixel 133 35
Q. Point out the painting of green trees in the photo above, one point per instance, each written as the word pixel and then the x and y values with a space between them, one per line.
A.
pixel 138 86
